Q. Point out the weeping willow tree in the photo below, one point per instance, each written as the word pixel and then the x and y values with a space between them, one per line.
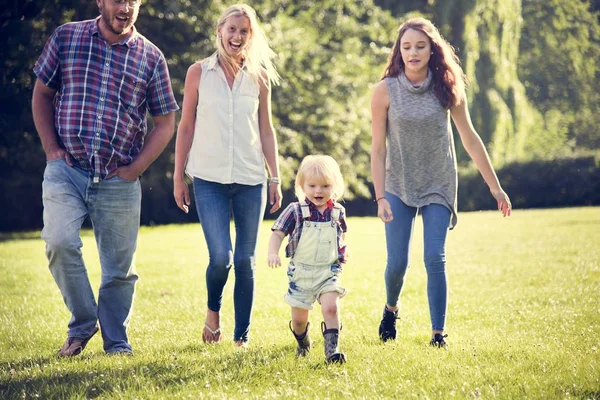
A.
pixel 486 34
pixel 330 54
pixel 561 39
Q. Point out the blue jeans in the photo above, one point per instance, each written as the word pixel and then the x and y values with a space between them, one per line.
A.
pixel 398 234
pixel 216 203
pixel 69 196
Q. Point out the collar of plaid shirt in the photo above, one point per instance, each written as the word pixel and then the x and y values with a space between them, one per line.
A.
pixel 315 213
pixel 129 41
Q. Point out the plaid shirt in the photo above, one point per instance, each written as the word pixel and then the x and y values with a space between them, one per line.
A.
pixel 290 223
pixel 104 92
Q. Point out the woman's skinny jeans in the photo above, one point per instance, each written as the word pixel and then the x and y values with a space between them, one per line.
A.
pixel 216 203
pixel 398 234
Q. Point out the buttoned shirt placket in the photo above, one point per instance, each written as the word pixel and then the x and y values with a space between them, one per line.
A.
pixel 231 92
pixel 100 110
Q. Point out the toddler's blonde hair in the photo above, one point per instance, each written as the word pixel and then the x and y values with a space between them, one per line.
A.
pixel 320 166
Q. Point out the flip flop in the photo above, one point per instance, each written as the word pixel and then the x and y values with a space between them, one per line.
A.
pixel 211 336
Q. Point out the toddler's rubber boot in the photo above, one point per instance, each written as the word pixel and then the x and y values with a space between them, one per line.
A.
pixel 303 340
pixel 331 341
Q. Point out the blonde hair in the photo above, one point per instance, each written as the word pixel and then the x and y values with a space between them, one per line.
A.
pixel 320 166
pixel 257 54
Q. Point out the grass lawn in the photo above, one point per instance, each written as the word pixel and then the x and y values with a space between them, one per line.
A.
pixel 523 320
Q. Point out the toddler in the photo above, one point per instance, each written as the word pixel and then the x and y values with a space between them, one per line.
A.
pixel 316 226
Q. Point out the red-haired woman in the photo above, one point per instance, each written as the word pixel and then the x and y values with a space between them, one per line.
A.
pixel 413 161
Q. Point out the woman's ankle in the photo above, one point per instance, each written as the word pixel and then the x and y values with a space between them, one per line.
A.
pixel 390 308
pixel 213 319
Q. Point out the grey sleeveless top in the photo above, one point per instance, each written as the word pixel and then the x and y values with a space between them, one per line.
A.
pixel 421 159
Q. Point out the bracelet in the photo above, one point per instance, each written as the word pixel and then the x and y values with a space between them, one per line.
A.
pixel 379 198
pixel 275 179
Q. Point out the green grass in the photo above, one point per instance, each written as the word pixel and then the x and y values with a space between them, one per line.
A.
pixel 523 320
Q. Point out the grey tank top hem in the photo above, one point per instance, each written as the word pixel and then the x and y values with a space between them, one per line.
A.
pixel 439 200
pixel 421 158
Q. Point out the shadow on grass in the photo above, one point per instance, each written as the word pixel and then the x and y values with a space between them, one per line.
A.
pixel 276 355
pixel 72 385
pixel 85 377
pixel 588 394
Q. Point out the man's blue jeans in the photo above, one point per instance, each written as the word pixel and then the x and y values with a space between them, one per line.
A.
pixel 216 203
pixel 69 196
pixel 398 234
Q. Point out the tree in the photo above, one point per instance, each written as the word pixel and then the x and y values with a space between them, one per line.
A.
pixel 330 54
pixel 24 28
pixel 560 46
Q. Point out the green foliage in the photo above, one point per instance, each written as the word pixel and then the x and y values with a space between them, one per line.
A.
pixel 536 184
pixel 24 28
pixel 522 320
pixel 487 35
pixel 182 30
pixel 560 46
pixel 330 53
pixel 400 8
pixel 322 105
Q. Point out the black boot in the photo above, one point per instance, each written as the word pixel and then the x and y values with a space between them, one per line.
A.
pixel 387 326
pixel 332 352
pixel 303 341
pixel 438 340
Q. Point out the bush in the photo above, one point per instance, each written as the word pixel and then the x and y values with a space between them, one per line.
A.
pixel 536 184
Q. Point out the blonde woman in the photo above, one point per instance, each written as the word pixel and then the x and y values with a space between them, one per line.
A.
pixel 413 161
pixel 223 140
pixel 316 225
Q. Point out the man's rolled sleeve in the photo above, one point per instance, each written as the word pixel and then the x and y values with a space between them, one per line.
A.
pixel 47 67
pixel 161 100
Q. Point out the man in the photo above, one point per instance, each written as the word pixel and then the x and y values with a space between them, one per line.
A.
pixel 96 80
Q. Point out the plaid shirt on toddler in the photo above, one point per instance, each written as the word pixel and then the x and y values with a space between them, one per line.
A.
pixel 290 223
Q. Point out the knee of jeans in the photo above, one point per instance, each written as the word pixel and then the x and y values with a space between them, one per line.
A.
pixel 61 243
pixel 244 269
pixel 435 263
pixel 118 281
pixel 397 265
pixel 221 260
pixel 116 274
pixel 242 263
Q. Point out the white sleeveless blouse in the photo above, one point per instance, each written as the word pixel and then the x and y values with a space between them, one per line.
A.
pixel 226 147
